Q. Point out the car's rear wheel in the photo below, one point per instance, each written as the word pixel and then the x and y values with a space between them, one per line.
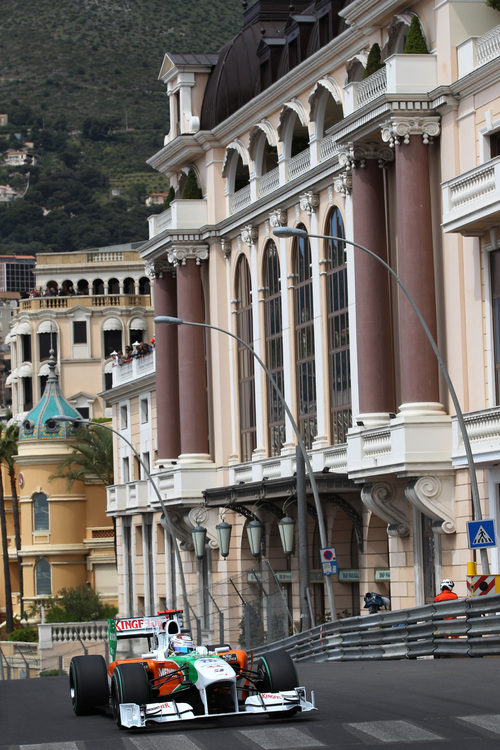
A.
pixel 129 685
pixel 276 672
pixel 88 683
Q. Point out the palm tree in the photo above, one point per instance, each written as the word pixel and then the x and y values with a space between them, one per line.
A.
pixel 8 447
pixel 92 456
pixel 8 451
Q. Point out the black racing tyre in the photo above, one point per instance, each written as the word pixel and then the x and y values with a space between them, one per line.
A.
pixel 276 672
pixel 129 685
pixel 88 683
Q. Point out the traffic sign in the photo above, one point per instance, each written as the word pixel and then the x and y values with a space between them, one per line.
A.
pixel 328 561
pixel 481 533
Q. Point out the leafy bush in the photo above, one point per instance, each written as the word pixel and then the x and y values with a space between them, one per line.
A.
pixel 415 43
pixel 27 635
pixel 79 604
pixel 374 61
pixel 493 4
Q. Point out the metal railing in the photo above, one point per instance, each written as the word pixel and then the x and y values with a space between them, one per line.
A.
pixel 466 627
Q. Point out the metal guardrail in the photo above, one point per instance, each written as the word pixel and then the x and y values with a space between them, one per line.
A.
pixel 466 627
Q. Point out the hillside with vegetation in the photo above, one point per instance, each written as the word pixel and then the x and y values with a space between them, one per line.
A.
pixel 79 83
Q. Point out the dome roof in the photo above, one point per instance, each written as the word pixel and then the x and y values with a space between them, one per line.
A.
pixel 52 403
pixel 238 74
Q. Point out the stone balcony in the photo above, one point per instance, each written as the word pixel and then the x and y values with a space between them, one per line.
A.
pixel 96 300
pixel 182 214
pixel 483 429
pixel 402 74
pixel 471 201
pixel 129 372
pixel 477 51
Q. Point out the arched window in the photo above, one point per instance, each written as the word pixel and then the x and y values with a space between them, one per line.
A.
pixel 43 584
pixel 97 287
pixel 113 286
pixel 339 374
pixel 112 336
pixel 274 347
pixel 144 285
pixel 299 136
pixel 246 378
pixel 40 512
pixel 304 340
pixel 128 286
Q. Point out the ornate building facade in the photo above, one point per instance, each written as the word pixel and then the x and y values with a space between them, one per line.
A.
pixel 281 128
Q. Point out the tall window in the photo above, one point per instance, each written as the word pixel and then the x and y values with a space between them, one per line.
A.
pixel 304 341
pixel 40 512
pixel 338 331
pixel 274 347
pixel 43 584
pixel 495 296
pixel 246 378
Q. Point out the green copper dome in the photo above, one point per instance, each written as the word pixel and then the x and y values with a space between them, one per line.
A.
pixel 38 423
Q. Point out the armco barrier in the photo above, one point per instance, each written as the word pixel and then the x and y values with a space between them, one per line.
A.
pixel 466 627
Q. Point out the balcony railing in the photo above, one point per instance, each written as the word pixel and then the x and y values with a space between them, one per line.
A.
pixel 97 300
pixel 371 88
pixel 483 429
pixel 471 201
pixel 478 51
pixel 299 164
pixel 240 199
pixel 328 148
pixel 138 367
pixel 269 182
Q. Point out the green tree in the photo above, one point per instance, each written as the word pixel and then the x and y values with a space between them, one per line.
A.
pixel 493 4
pixel 91 456
pixel 374 61
pixel 415 42
pixel 78 604
pixel 191 188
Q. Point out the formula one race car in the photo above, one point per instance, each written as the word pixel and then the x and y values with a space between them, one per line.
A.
pixel 157 676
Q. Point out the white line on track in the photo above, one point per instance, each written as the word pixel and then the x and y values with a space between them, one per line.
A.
pixel 394 731
pixel 279 739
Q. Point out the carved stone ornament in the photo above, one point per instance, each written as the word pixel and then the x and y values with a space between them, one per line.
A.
pixel 427 127
pixel 249 234
pixel 179 254
pixel 156 268
pixel 278 218
pixel 388 502
pixel 309 202
pixel 343 183
pixel 225 245
pixel 354 155
pixel 207 517
pixel 181 530
pixel 434 496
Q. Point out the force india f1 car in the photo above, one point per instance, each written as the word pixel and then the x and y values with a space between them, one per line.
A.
pixel 152 683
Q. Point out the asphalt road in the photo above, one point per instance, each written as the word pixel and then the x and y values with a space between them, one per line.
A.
pixel 423 704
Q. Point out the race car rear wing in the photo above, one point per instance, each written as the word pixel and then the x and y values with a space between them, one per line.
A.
pixel 169 621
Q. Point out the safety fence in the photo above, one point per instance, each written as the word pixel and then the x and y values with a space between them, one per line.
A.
pixel 245 610
pixel 465 627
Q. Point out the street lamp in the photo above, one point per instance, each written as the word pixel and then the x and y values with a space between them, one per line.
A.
pixel 310 473
pixel 476 504
pixel 86 423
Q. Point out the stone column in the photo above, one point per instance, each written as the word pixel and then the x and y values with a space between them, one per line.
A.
pixel 417 362
pixel 167 377
pixel 191 355
pixel 372 282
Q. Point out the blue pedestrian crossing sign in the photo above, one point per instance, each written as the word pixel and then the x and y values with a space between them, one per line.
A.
pixel 481 533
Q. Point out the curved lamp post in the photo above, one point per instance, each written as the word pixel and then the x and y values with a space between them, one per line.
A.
pixel 476 504
pixel 168 522
pixel 310 473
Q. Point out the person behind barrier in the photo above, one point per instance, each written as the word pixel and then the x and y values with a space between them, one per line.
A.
pixel 446 591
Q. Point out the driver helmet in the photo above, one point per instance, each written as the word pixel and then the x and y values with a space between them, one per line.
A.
pixel 181 644
pixel 447 583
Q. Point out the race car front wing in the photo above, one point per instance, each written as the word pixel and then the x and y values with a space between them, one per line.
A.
pixel 133 715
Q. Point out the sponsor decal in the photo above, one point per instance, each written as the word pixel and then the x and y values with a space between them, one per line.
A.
pixel 271 696
pixel 138 623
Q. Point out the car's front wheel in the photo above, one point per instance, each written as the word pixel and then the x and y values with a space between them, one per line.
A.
pixel 276 672
pixel 129 685
pixel 88 683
